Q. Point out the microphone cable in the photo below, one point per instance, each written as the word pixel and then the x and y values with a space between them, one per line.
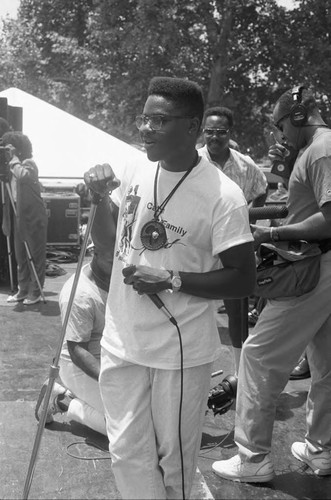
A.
pixel 160 305
pixel 180 407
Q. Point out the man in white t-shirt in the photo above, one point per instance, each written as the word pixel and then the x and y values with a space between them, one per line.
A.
pixel 183 234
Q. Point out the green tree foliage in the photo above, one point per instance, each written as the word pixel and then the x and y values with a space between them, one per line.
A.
pixel 20 61
pixel 305 43
pixel 94 58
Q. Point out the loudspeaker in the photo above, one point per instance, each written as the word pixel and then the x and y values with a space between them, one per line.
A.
pixel 298 112
pixel 15 118
pixel 12 114
pixel 4 108
pixel 63 210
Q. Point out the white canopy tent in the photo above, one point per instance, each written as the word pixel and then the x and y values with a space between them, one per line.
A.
pixel 65 146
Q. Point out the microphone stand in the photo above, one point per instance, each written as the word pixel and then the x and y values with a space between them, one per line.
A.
pixel 54 369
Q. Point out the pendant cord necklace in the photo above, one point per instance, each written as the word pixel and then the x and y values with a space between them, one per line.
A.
pixel 159 209
pixel 153 234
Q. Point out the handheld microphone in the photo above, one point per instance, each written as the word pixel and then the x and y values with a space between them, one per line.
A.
pixel 96 198
pixel 268 212
pixel 160 305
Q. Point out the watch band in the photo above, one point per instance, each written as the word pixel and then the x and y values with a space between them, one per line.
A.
pixel 274 234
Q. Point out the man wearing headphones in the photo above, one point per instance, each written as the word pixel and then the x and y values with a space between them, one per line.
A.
pixel 273 347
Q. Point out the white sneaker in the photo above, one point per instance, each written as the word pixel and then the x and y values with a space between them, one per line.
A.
pixel 30 301
pixel 58 394
pixel 17 297
pixel 236 469
pixel 319 462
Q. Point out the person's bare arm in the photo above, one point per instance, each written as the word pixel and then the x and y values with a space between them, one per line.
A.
pixel 82 358
pixel 235 280
pixel 316 227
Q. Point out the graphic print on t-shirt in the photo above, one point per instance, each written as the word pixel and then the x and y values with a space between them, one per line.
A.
pixel 130 217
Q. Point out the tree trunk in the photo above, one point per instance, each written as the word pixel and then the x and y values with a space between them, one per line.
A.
pixel 218 75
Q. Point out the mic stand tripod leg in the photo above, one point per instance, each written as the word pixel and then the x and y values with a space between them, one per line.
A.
pixel 9 252
pixel 34 271
pixel 26 246
pixel 10 264
pixel 54 369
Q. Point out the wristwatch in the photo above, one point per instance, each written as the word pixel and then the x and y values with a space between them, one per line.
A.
pixel 176 281
pixel 274 234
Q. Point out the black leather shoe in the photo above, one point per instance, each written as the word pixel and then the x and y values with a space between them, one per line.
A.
pixel 301 371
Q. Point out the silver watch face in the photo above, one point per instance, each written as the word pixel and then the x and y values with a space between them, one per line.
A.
pixel 176 282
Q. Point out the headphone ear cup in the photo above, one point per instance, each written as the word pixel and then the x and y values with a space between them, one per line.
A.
pixel 298 115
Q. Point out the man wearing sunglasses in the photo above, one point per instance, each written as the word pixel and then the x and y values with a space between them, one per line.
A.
pixel 289 325
pixel 221 150
pixel 217 126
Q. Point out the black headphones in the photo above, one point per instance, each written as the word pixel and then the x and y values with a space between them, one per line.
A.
pixel 298 112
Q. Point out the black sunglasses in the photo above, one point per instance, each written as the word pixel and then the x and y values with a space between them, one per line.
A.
pixel 217 131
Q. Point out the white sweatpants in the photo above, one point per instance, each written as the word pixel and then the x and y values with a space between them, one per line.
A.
pixel 283 331
pixel 87 407
pixel 142 412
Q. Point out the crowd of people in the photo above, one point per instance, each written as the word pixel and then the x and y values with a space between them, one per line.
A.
pixel 172 239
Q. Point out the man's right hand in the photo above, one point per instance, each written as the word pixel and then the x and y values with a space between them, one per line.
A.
pixel 277 151
pixel 101 179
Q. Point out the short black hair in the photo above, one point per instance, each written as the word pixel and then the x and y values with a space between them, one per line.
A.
pixel 184 93
pixel 21 143
pixel 219 111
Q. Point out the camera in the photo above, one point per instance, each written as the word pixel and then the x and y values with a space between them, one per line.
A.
pixel 222 396
pixel 5 157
